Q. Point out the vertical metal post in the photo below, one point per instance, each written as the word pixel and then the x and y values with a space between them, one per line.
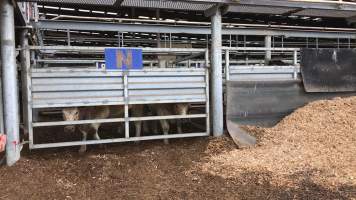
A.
pixel 216 66
pixel 119 38
pixel 268 45
pixel 227 65
pixel 68 37
pixel 29 114
pixel 295 63
pixel 207 104
pixel 9 80
pixel 170 40
pixel 230 40
pixel 207 41
pixel 158 33
pixel 2 126
pixel 122 40
pixel 23 56
pixel 126 106
pixel 237 40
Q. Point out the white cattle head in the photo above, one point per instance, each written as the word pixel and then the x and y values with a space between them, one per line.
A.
pixel 181 109
pixel 70 114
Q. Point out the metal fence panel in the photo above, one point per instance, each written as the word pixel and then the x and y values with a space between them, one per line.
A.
pixel 60 87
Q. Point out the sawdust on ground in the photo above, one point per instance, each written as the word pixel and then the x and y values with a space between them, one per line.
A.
pixel 311 154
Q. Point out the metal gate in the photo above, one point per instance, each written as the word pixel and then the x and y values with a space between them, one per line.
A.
pixel 59 88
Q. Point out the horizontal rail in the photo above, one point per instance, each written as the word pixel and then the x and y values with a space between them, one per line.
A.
pixel 259 49
pixel 105 103
pixel 237 29
pixel 77 122
pixel 117 140
pixel 150 118
pixel 149 50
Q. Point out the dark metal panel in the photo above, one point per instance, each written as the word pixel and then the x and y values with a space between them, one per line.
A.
pixel 329 70
pixel 265 103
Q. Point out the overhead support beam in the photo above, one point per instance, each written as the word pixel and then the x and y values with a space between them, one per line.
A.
pixel 216 75
pixel 199 30
pixel 10 83
pixel 306 4
pixel 292 12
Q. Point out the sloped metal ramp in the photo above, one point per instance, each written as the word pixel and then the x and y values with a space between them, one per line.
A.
pixel 264 103
pixel 263 95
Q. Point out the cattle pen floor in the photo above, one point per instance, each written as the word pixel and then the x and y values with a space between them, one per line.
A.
pixel 308 155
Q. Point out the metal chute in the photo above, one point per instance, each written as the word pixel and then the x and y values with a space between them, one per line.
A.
pixel 261 99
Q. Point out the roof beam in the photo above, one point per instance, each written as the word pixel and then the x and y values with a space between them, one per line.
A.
pixel 305 4
pixel 198 30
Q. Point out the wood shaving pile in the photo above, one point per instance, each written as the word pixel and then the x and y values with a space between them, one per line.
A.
pixel 309 155
pixel 315 143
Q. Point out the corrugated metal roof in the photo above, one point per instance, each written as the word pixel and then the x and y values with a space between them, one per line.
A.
pixel 186 5
pixel 260 9
pixel 165 4
pixel 84 2
pixel 325 13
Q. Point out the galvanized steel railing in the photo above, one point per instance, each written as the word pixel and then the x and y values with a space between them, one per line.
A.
pixel 49 88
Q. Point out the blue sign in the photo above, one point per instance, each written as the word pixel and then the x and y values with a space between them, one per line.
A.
pixel 125 59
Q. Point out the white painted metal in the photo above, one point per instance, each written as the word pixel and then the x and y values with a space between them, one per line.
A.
pixel 238 72
pixel 216 71
pixel 10 83
pixel 65 87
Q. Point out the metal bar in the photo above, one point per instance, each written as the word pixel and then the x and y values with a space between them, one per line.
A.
pixel 117 140
pixel 268 45
pixel 126 100
pixel 259 49
pixel 188 57
pixel 150 118
pixel 24 56
pixel 64 123
pixel 10 83
pixel 207 103
pixel 227 65
pixel 207 60
pixel 216 65
pixel 68 37
pixel 262 30
pixel 296 66
pixel 101 49
pixel 157 101
pixel 114 120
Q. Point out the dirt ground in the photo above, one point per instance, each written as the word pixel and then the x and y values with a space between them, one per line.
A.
pixel 311 154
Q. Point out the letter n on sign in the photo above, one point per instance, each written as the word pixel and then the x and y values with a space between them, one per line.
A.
pixel 124 59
